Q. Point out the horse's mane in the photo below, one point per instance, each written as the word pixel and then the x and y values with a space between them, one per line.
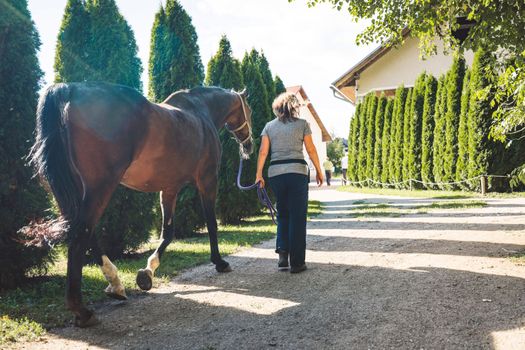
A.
pixel 190 98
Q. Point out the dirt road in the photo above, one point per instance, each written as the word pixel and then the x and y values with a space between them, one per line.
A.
pixel 440 280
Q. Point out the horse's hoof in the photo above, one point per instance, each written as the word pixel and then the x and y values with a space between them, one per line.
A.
pixel 223 267
pixel 86 322
pixel 144 279
pixel 116 296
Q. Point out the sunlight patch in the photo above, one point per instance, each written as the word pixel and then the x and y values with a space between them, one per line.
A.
pixel 233 299
pixel 511 339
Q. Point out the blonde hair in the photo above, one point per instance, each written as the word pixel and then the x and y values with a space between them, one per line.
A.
pixel 286 107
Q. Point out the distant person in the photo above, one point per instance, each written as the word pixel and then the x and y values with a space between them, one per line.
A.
pixel 328 167
pixel 288 177
pixel 344 168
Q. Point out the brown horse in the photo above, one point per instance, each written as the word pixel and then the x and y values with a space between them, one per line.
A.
pixel 91 137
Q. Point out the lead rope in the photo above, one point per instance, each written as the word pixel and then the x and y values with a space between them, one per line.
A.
pixel 261 192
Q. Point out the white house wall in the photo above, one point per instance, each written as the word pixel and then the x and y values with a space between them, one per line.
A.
pixel 317 138
pixel 403 65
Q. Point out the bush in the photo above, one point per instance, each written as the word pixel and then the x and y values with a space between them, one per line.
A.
pixel 21 197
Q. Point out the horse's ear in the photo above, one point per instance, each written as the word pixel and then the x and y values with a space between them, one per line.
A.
pixel 243 92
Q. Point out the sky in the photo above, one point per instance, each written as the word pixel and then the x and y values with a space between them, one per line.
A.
pixel 305 46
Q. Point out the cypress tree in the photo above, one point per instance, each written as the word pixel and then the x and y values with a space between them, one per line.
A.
pixel 266 75
pixel 385 142
pixel 370 135
pixel 72 61
pixel 225 71
pixel 279 85
pixel 480 116
pixel 107 51
pixel 112 49
pixel 261 111
pixel 175 64
pixel 462 162
pixel 454 86
pixel 175 61
pixel 416 118
pixel 378 138
pixel 21 197
pixel 396 149
pixel 427 131
pixel 439 130
pixel 353 144
pixel 407 116
pixel 361 152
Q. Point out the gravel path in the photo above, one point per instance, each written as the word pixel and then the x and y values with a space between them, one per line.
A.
pixel 440 280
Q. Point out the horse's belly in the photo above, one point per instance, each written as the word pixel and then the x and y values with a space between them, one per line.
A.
pixel 152 176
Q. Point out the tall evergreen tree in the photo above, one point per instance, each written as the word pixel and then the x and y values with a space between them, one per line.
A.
pixel 370 135
pixel 427 130
pixel 175 64
pixel 21 197
pixel 480 116
pixel 175 61
pixel 353 144
pixel 112 51
pixel 378 138
pixel 279 86
pixel 462 161
pixel 225 71
pixel 266 75
pixel 107 51
pixel 261 111
pixel 407 116
pixel 454 86
pixel 385 143
pixel 72 60
pixel 416 118
pixel 396 139
pixel 361 152
pixel 439 130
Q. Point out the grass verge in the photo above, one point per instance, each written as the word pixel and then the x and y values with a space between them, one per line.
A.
pixel 29 310
pixel 434 194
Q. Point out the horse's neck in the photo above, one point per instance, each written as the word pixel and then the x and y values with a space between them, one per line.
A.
pixel 214 106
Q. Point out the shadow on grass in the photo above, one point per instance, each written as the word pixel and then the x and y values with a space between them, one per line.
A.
pixel 41 300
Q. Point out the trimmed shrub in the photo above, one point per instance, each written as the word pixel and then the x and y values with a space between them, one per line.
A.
pixel 378 142
pixel 462 161
pixel 21 198
pixel 385 142
pixel 439 130
pixel 427 130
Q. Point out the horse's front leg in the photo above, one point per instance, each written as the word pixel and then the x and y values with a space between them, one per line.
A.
pixel 115 289
pixel 208 194
pixel 76 254
pixel 145 276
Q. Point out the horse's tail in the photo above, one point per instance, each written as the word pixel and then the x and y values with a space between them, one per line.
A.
pixel 50 155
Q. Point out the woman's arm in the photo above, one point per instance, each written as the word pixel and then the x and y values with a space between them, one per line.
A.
pixel 263 154
pixel 312 152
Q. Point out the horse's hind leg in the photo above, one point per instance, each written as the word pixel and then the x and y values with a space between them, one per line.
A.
pixel 208 194
pixel 76 253
pixel 92 207
pixel 145 276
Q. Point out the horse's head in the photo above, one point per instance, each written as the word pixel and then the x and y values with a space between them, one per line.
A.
pixel 239 123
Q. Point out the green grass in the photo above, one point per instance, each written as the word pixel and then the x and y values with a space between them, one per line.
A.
pixel 387 210
pixel 29 310
pixel 518 258
pixel 435 194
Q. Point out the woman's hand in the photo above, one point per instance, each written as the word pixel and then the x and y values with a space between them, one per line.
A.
pixel 259 178
pixel 319 177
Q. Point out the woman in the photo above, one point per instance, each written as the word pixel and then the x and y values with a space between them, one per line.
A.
pixel 285 136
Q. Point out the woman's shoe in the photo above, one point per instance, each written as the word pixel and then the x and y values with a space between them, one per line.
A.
pixel 297 269
pixel 283 261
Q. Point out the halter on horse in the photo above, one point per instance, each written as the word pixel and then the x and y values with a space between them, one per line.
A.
pixel 93 136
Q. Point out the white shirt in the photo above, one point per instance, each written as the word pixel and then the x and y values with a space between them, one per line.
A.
pixel 344 162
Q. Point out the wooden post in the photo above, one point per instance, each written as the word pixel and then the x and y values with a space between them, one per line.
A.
pixel 483 179
pixel 410 184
